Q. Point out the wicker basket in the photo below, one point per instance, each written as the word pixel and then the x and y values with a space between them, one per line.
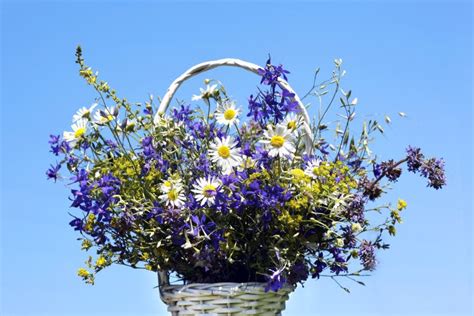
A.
pixel 227 299
pixel 224 299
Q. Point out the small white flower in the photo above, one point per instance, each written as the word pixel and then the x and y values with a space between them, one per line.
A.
pixel 105 116
pixel 205 93
pixel 225 153
pixel 79 129
pixel 312 168
pixel 174 197
pixel 170 184
pixel 279 141
pixel 227 113
pixel 205 190
pixel 83 113
pixel 292 121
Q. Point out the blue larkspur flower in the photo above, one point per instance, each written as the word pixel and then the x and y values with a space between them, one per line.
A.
pixel 275 281
pixel 52 173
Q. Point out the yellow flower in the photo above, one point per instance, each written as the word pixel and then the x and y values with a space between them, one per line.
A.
pixel 401 204
pixel 86 244
pixel 83 273
pixel 297 173
pixel 101 262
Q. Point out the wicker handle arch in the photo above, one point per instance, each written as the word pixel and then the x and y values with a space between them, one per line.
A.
pixel 232 62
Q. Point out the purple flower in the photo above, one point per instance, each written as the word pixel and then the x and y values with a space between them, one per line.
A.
pixel 183 114
pixel 390 170
pixel 367 255
pixel 339 264
pixel 52 173
pixel 377 170
pixel 271 73
pixel 319 266
pixel 355 211
pixel 299 272
pixel 275 281
pixel 77 224
pixel 433 169
pixel 415 158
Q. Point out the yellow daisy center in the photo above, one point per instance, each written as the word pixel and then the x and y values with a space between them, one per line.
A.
pixel 224 151
pixel 277 141
pixel 172 195
pixel 167 184
pixel 79 132
pixel 291 125
pixel 315 170
pixel 208 190
pixel 229 114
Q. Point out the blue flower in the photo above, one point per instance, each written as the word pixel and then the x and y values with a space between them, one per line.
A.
pixel 271 73
pixel 275 281
pixel 319 266
pixel 77 224
pixel 52 173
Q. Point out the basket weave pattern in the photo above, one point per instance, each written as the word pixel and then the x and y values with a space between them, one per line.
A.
pixel 224 299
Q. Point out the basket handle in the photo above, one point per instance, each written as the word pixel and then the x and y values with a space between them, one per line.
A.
pixel 208 65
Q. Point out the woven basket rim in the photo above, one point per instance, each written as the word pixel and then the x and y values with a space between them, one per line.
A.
pixel 225 288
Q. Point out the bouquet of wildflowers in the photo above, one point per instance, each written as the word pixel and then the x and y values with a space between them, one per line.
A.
pixel 215 193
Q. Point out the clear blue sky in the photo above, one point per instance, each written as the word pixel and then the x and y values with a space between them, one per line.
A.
pixel 411 57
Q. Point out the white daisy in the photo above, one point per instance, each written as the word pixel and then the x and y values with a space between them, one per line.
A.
pixel 292 121
pixel 174 197
pixel 83 113
pixel 227 113
pixel 205 190
pixel 205 93
pixel 170 184
pixel 312 168
pixel 79 129
pixel 279 141
pixel 102 117
pixel 225 153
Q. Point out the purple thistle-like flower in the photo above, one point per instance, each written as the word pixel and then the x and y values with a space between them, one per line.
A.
pixel 370 189
pixel 390 170
pixel 433 169
pixel 52 173
pixel 298 273
pixel 415 158
pixel 367 255
pixel 349 237
pixel 355 211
